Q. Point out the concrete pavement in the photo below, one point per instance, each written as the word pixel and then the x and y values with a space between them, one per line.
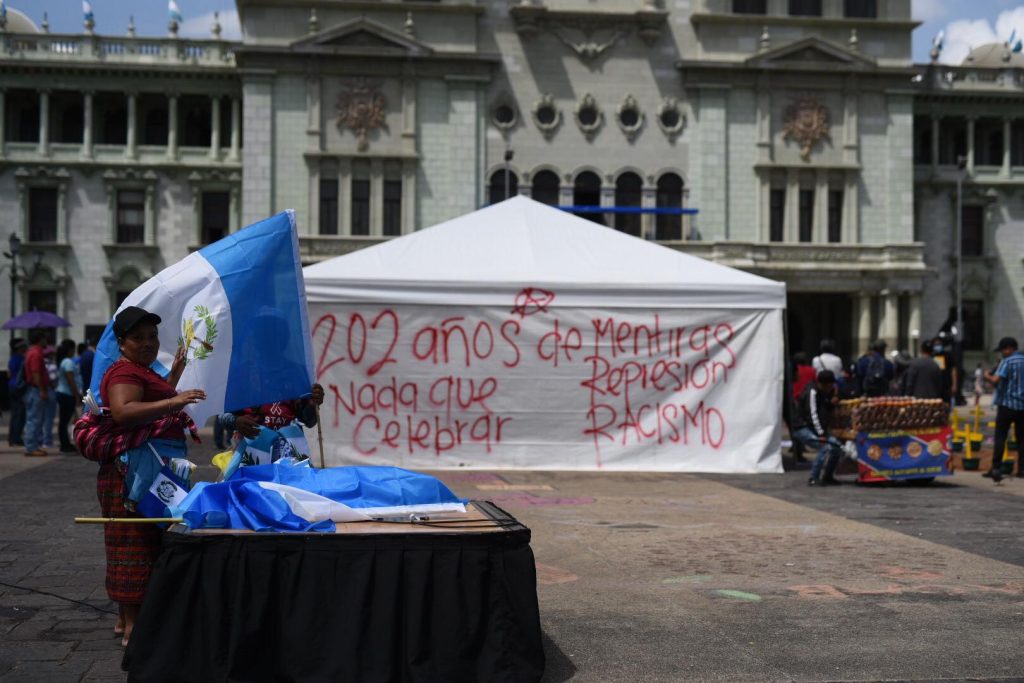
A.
pixel 642 577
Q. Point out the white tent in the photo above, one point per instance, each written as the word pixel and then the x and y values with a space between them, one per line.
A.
pixel 523 336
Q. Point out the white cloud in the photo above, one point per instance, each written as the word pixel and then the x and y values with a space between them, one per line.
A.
pixel 927 10
pixel 964 34
pixel 199 27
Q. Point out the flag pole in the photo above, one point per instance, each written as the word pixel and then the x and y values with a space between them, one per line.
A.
pixel 319 435
pixel 128 520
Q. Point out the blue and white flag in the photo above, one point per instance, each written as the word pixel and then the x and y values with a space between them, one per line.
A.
pixel 238 306
pixel 286 497
pixel 3 11
pixel 87 10
pixel 174 11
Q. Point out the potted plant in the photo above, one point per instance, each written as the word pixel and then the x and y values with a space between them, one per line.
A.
pixel 957 445
pixel 971 463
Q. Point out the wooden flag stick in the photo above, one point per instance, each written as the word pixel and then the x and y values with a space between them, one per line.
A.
pixel 319 435
pixel 128 520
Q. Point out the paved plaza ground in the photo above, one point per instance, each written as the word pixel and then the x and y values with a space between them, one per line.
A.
pixel 642 577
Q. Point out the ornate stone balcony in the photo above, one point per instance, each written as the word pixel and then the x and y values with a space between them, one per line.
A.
pixel 830 258
pixel 117 50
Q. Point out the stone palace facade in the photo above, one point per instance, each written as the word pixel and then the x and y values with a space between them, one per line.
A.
pixel 814 150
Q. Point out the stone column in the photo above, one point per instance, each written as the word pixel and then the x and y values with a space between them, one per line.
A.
pixel 130 149
pixel 172 126
pixel 408 196
pixel 914 323
pixel 820 234
pixel 236 128
pixel 87 125
pixel 888 328
pixel 851 148
pixel 313 138
pixel 648 200
pixel 851 207
pixel 345 196
pixel 970 144
pixel 3 139
pixel 791 214
pixel 936 122
pixel 376 197
pixel 215 127
pixel 44 122
pixel 764 124
pixel 1007 130
pixel 864 302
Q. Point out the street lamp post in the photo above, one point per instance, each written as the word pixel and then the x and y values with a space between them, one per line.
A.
pixel 961 164
pixel 14 244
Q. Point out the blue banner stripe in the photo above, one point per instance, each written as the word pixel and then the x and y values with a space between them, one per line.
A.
pixel 258 268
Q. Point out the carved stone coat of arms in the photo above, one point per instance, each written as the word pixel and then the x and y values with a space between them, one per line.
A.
pixel 362 107
pixel 806 121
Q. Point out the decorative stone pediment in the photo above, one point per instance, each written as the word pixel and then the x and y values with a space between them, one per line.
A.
pixel 812 52
pixel 364 37
pixel 589 34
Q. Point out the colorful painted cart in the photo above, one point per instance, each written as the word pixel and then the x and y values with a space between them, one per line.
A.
pixel 896 438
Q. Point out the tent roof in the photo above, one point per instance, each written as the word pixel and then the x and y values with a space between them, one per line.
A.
pixel 477 258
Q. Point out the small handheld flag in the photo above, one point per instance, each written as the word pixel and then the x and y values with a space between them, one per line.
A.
pixel 174 11
pixel 87 10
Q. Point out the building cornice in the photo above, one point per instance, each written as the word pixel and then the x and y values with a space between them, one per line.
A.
pixel 802 22
pixel 365 6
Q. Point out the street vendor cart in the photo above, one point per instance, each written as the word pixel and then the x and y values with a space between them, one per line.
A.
pixel 895 438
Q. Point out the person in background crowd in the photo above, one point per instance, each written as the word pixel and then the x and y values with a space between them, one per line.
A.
pixel 811 421
pixel 945 352
pixel 69 392
pixel 827 359
pixel 979 383
pixel 37 394
pixel 85 359
pixel 900 363
pixel 923 378
pixel 1008 379
pixel 803 373
pixel 16 425
pixel 874 372
pixel 50 409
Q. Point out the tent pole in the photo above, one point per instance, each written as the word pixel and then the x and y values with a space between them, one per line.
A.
pixel 319 435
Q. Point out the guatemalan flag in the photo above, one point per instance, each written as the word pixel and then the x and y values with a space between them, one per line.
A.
pixel 239 308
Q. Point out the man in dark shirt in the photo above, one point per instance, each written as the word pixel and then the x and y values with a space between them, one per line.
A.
pixel 874 371
pixel 924 378
pixel 85 359
pixel 811 421
pixel 17 423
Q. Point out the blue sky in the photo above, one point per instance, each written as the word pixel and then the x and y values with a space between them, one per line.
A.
pixel 966 23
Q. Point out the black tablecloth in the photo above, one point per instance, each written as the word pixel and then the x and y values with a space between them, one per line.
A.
pixel 452 606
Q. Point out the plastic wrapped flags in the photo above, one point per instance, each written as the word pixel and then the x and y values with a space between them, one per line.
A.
pixel 296 497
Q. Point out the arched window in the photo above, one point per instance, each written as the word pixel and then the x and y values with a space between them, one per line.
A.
pixel 669 196
pixel 587 192
pixel 627 194
pixel 545 187
pixel 498 191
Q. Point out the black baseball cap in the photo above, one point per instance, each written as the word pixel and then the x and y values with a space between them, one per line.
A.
pixel 130 317
pixel 1006 342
